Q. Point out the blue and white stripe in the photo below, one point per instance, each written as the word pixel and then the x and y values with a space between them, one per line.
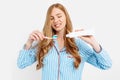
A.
pixel 63 63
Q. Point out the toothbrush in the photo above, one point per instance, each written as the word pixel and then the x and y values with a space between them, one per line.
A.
pixel 81 33
pixel 53 37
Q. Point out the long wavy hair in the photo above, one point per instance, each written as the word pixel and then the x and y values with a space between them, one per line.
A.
pixel 45 45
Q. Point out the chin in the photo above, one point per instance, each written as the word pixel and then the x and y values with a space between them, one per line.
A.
pixel 59 29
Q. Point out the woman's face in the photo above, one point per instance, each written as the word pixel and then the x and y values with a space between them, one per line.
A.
pixel 58 19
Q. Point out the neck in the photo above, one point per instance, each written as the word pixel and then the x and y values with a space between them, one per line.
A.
pixel 60 39
pixel 60 34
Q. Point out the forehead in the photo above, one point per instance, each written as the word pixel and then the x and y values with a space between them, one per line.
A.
pixel 56 11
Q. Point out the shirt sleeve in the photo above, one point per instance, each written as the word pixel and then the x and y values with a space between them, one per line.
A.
pixel 100 60
pixel 26 57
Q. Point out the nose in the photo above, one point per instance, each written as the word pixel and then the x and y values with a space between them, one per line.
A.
pixel 55 19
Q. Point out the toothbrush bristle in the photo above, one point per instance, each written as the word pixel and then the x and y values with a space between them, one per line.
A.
pixel 54 36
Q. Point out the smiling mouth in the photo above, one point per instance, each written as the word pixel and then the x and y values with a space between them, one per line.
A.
pixel 57 25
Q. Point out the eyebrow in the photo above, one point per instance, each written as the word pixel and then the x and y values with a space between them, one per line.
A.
pixel 59 14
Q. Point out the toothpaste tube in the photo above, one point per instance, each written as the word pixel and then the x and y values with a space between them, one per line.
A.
pixel 81 33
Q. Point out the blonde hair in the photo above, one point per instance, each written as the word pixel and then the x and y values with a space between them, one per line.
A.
pixel 45 45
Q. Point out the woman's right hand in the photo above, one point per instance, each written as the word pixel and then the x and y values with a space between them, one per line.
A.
pixel 34 36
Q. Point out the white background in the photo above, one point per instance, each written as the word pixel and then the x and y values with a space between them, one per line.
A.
pixel 20 17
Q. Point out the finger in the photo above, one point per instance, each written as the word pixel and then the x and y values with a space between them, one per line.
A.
pixel 39 35
pixel 33 36
pixel 31 39
pixel 36 37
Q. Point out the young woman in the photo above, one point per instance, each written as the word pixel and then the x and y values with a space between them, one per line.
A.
pixel 62 58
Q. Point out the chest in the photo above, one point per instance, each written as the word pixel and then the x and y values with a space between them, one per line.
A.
pixel 55 57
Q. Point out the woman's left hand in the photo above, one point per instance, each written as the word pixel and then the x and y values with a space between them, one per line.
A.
pixel 90 39
pixel 87 38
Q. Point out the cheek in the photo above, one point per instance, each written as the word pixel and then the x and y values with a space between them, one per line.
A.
pixel 64 22
pixel 51 24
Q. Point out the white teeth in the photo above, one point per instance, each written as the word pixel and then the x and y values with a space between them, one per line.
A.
pixel 57 25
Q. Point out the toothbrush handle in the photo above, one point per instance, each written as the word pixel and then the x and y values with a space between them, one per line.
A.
pixel 47 37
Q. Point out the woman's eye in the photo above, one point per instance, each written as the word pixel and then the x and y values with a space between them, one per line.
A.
pixel 59 16
pixel 51 18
